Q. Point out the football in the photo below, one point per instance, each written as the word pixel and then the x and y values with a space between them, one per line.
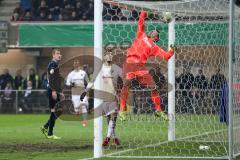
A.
pixel 167 17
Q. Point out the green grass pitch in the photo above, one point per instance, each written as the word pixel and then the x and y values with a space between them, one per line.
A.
pixel 21 139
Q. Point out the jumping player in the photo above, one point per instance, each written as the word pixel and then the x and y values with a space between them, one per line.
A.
pixel 141 49
pixel 78 80
pixel 54 93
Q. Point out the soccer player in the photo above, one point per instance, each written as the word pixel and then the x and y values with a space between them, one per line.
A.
pixel 78 80
pixel 54 93
pixel 141 49
pixel 110 74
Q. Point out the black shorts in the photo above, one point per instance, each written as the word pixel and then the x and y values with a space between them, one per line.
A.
pixel 52 102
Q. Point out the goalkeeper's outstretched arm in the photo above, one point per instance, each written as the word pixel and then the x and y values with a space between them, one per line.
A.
pixel 157 51
pixel 141 22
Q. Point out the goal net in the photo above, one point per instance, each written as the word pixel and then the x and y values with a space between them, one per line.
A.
pixel 236 82
pixel 197 125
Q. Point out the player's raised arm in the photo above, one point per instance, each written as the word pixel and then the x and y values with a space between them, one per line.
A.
pixel 157 51
pixel 141 22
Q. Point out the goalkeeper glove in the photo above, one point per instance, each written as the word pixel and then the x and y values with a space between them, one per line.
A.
pixel 173 47
pixel 161 115
pixel 83 95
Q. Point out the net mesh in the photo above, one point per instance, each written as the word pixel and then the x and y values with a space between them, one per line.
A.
pixel 236 83
pixel 201 36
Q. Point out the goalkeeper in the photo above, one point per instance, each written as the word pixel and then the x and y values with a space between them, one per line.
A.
pixel 78 80
pixel 141 49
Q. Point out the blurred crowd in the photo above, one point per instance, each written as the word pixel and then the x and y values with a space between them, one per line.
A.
pixel 69 10
pixel 21 89
pixel 194 94
pixel 19 82
pixel 53 10
pixel 26 94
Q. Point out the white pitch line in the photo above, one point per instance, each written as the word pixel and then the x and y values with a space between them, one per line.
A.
pixel 164 142
pixel 154 145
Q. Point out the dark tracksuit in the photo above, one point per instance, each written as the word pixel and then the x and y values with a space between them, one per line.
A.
pixel 54 79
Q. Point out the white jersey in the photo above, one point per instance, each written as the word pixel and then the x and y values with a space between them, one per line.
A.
pixel 110 75
pixel 79 78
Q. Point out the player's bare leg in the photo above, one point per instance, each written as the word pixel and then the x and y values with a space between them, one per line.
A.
pixel 147 80
pixel 123 99
pixel 83 108
pixel 108 137
pixel 111 119
pixel 113 127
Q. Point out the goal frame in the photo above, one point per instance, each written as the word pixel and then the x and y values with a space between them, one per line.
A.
pixel 98 28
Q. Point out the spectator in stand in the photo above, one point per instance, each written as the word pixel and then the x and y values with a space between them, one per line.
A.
pixel 18 80
pixel 26 5
pixel 18 85
pixel 216 82
pixel 8 99
pixel 185 82
pixel 44 81
pixel 201 85
pixel 15 17
pixel 106 15
pixel 90 11
pixel 27 16
pixel 84 17
pixel 74 16
pixel 79 8
pixel 34 78
pixel 60 17
pixel 50 17
pixel 55 5
pixel 134 16
pixel 111 12
pixel 5 78
pixel 42 17
pixel 65 2
pixel 43 8
pixel 121 17
pixel 29 97
pixel 18 9
pixel 56 11
pixel 67 11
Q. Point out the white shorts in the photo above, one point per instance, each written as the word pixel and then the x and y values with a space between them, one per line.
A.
pixel 109 108
pixel 80 106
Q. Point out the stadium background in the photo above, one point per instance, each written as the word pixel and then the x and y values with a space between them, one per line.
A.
pixel 30 46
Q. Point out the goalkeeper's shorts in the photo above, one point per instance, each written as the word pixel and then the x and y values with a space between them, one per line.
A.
pixel 133 68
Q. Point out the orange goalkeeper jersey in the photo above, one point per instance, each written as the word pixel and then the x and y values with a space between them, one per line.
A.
pixel 143 47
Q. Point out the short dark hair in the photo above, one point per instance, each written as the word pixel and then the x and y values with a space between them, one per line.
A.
pixel 54 50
